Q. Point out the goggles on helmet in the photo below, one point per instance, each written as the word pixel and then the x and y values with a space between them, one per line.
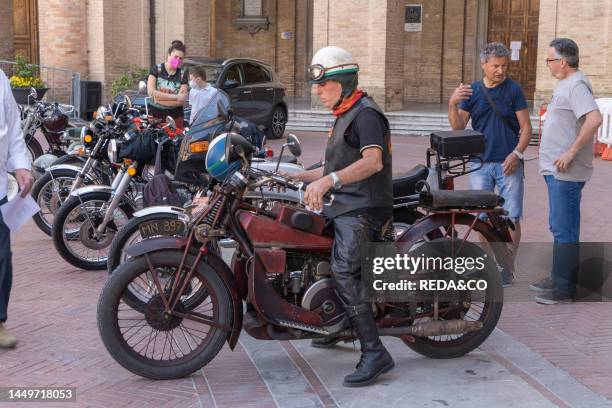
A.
pixel 318 71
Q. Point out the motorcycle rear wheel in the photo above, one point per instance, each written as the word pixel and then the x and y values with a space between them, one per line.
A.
pixel 196 343
pixel 486 308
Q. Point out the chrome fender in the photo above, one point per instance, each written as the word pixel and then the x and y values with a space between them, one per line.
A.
pixel 161 209
pixel 70 167
pixel 91 189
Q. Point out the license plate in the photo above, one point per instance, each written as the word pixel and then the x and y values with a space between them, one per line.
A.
pixel 157 228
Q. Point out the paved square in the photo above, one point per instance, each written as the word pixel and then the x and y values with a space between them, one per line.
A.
pixel 540 356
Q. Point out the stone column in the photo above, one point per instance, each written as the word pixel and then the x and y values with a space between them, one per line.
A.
pixel 369 29
pixel 62 33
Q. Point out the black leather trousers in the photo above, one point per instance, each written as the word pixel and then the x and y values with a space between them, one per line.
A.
pixel 351 232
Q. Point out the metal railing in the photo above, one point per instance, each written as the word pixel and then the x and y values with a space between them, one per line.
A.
pixel 64 84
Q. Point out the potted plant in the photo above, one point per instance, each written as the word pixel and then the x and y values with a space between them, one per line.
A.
pixel 24 79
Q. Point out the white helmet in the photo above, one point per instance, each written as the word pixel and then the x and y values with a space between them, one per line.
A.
pixel 329 61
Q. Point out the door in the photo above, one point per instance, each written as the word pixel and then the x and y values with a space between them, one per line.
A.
pixel 25 23
pixel 240 96
pixel 515 23
pixel 260 81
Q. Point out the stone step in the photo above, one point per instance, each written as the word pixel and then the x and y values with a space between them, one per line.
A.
pixel 420 123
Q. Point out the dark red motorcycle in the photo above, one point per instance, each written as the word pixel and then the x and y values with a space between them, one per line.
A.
pixel 281 270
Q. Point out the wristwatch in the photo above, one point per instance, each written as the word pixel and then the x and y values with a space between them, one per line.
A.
pixel 336 180
pixel 520 155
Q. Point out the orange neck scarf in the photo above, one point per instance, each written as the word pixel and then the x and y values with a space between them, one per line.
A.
pixel 348 103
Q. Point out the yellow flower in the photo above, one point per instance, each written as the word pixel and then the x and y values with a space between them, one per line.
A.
pixel 27 82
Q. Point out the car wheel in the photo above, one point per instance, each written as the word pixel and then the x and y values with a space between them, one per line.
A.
pixel 278 120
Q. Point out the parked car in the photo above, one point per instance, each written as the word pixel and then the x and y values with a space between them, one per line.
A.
pixel 254 89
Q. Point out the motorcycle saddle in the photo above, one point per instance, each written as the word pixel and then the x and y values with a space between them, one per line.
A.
pixel 460 199
pixel 404 184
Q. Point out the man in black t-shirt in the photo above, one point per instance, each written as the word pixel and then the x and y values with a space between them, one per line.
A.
pixel 358 170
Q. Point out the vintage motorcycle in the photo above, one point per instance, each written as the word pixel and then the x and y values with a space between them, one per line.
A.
pixel 85 224
pixel 169 220
pixel 281 268
pixel 52 121
pixel 65 176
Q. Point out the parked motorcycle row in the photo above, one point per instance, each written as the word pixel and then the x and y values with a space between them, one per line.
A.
pixel 139 199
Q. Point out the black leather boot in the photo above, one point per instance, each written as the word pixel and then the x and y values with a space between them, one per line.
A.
pixel 375 359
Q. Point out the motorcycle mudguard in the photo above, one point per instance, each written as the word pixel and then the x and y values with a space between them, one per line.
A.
pixel 91 189
pixel 436 221
pixel 64 166
pixel 160 209
pixel 214 261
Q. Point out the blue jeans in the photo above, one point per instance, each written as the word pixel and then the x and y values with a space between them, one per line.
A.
pixel 564 222
pixel 510 187
pixel 6 271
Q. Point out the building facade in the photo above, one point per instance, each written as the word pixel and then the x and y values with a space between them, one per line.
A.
pixel 408 51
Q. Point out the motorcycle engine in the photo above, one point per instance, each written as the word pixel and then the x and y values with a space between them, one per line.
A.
pixel 307 283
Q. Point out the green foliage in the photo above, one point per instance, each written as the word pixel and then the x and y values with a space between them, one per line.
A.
pixel 130 79
pixel 25 75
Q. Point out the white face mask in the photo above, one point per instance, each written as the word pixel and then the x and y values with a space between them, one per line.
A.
pixel 194 85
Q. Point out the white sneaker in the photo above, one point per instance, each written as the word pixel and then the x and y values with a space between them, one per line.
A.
pixel 7 340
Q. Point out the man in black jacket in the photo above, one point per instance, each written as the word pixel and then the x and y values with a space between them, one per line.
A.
pixel 358 171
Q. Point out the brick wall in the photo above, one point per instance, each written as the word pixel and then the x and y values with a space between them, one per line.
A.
pixel 591 34
pixel 126 39
pixel 197 27
pixel 6 30
pixel 394 66
pixel 61 37
pixel 269 46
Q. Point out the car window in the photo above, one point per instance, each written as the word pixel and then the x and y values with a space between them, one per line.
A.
pixel 212 73
pixel 255 74
pixel 233 74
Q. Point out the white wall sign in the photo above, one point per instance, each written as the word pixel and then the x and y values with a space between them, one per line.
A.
pixel 515 47
pixel 413 18
pixel 252 8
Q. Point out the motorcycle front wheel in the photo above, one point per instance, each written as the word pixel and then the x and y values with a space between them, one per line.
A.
pixel 74 229
pixel 155 342
pixel 49 192
pixel 129 234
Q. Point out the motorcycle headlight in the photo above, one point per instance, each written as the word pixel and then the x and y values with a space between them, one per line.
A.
pixel 87 138
pixel 112 151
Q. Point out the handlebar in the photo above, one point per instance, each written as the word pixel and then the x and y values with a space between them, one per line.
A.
pixel 265 177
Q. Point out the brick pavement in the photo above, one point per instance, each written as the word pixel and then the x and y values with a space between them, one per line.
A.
pixel 53 305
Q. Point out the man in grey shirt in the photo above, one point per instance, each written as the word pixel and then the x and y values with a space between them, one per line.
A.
pixel 566 162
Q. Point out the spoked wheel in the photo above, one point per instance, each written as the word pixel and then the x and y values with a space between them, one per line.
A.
pixel 158 342
pixel 75 234
pixel 480 307
pixel 49 192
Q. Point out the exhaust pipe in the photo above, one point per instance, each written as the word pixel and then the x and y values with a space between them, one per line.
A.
pixel 433 328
